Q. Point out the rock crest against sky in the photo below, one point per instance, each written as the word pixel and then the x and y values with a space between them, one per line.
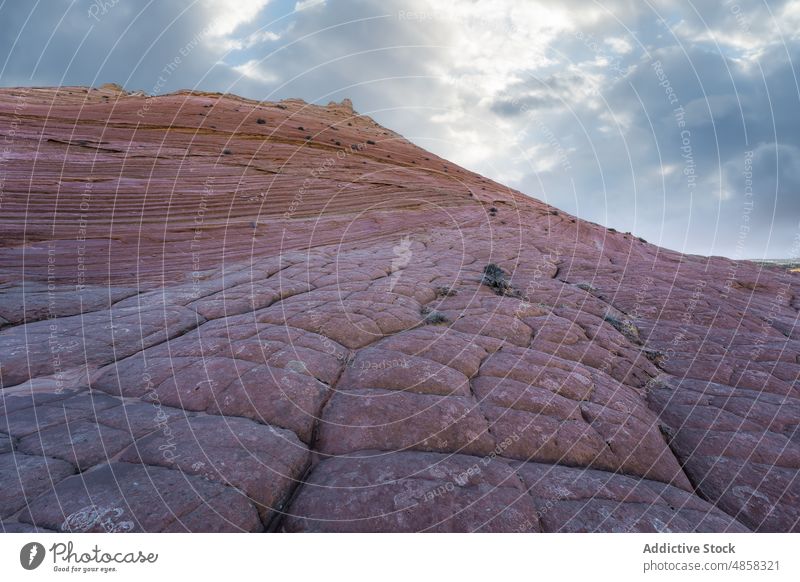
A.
pixel 575 103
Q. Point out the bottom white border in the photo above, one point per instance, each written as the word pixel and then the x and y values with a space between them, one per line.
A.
pixel 354 557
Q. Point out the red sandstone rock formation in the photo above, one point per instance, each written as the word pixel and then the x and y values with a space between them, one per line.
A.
pixel 224 315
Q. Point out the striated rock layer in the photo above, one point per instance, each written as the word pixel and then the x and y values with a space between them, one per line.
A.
pixel 225 315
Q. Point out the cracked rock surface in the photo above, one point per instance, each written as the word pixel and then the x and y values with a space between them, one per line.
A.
pixel 210 323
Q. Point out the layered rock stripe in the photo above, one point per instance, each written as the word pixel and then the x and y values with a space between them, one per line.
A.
pixel 227 315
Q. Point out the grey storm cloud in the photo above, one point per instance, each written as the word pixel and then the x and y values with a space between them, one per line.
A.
pixel 61 42
pixel 565 101
pixel 552 91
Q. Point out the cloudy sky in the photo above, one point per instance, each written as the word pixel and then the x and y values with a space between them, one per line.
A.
pixel 676 120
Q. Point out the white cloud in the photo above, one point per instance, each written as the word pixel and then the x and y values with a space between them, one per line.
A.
pixel 306 4
pixel 225 16
pixel 744 30
pixel 253 69
pixel 619 44
pixel 497 42
pixel 789 19
pixel 251 40
pixel 545 157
